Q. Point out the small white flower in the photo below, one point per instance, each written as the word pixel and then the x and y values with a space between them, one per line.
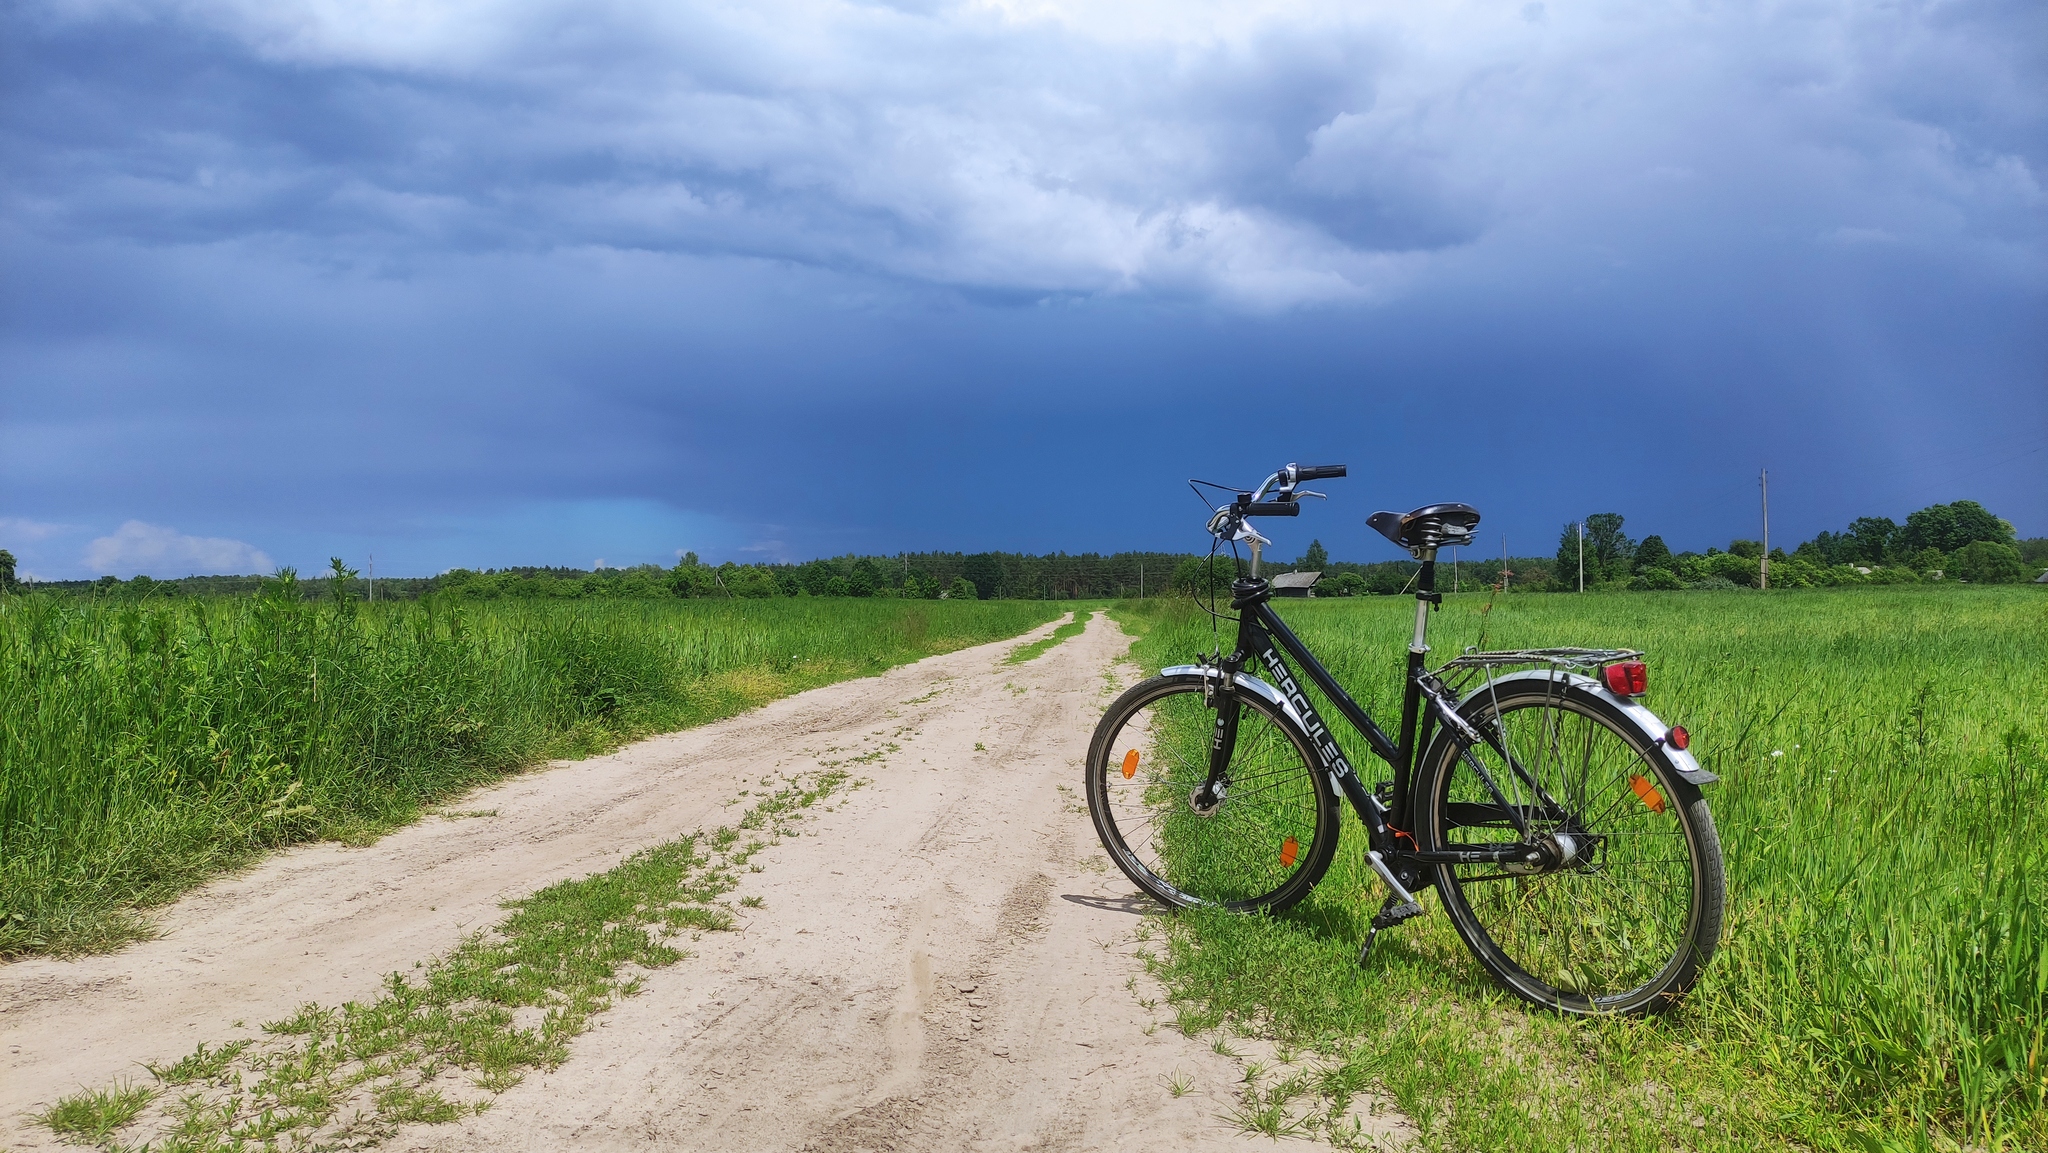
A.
pixel 1780 752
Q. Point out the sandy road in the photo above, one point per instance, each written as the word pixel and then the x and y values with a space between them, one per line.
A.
pixel 941 962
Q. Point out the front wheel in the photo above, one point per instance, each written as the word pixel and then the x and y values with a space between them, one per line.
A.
pixel 1259 838
pixel 1625 908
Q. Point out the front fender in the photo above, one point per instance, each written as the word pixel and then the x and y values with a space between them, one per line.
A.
pixel 1245 682
pixel 1682 761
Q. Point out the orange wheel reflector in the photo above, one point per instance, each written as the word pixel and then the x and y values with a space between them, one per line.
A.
pixel 1290 850
pixel 1130 764
pixel 1647 793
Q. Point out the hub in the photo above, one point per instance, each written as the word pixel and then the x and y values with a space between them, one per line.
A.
pixel 1553 851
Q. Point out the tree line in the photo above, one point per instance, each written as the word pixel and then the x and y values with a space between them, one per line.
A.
pixel 1961 541
pixel 1957 541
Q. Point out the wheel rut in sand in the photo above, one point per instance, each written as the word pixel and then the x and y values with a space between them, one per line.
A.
pixel 940 960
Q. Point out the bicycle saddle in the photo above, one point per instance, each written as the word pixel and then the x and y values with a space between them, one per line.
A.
pixel 1431 526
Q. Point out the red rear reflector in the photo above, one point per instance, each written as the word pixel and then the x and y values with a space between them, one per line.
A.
pixel 1290 850
pixel 1678 737
pixel 1647 793
pixel 1629 678
pixel 1131 763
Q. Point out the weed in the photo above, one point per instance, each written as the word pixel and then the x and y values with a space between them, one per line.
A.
pixel 1038 648
pixel 95 1114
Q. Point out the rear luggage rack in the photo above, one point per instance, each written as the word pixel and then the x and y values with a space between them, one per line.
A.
pixel 1462 670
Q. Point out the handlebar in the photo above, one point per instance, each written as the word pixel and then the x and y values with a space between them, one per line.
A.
pixel 1229 521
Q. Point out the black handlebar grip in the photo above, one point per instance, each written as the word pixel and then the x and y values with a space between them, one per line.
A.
pixel 1273 508
pixel 1319 472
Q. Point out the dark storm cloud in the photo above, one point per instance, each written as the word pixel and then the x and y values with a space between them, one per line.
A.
pixel 820 276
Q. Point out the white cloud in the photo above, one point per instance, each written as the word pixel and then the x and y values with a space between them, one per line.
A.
pixel 136 547
pixel 16 529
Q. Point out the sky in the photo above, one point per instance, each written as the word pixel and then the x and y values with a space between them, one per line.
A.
pixel 492 282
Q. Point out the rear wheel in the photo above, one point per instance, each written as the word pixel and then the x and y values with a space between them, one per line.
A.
pixel 1262 844
pixel 1626 908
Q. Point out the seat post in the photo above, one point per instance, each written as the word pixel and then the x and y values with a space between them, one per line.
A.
pixel 1425 595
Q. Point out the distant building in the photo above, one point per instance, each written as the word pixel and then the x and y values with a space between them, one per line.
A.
pixel 2043 578
pixel 1296 584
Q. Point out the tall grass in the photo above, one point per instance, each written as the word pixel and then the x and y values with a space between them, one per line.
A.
pixel 145 746
pixel 1884 811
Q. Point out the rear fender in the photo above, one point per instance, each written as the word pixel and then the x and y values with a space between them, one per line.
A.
pixel 1682 761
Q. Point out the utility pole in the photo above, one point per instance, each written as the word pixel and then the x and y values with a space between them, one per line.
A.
pixel 1503 562
pixel 373 578
pixel 1582 556
pixel 1764 479
pixel 1454 570
pixel 1141 580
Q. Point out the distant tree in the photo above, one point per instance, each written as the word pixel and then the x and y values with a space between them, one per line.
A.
pixel 1204 577
pixel 1573 558
pixel 1344 584
pixel 986 571
pixel 1609 552
pixel 752 581
pixel 1926 560
pixel 1388 578
pixel 2033 550
pixel 1653 553
pixel 963 590
pixel 1989 563
pixel 7 581
pixel 865 578
pixel 1748 549
pixel 1948 527
pixel 1654 578
pixel 690 578
pixel 1873 539
pixel 1316 559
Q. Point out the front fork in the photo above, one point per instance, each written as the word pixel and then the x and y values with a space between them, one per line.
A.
pixel 1222 743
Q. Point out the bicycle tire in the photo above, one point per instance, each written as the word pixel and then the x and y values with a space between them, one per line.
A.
pixel 1628 928
pixel 1263 848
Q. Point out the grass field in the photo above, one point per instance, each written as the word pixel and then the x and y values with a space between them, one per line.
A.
pixel 144 746
pixel 1883 980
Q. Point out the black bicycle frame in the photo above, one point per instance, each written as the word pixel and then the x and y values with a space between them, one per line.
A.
pixel 1262 636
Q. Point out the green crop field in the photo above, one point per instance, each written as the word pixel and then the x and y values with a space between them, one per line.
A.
pixel 144 746
pixel 1883 979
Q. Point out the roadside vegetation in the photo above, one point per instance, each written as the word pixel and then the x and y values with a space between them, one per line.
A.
pixel 1883 981
pixel 145 745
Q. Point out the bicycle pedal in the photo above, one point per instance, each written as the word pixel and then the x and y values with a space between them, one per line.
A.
pixel 1394 913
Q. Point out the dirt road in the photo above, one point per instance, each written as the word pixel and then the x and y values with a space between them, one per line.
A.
pixel 940 962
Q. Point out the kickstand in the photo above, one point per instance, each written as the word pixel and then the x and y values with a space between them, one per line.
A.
pixel 1392 913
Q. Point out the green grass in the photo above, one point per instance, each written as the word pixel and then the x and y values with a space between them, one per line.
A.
pixel 1883 979
pixel 1039 647
pixel 146 746
pixel 439 1044
pixel 95 1114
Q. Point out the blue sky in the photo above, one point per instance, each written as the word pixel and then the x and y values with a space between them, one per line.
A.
pixel 495 282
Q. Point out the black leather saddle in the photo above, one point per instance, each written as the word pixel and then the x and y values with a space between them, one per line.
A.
pixel 1431 526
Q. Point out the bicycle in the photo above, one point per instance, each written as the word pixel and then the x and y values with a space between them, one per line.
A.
pixel 1560 822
